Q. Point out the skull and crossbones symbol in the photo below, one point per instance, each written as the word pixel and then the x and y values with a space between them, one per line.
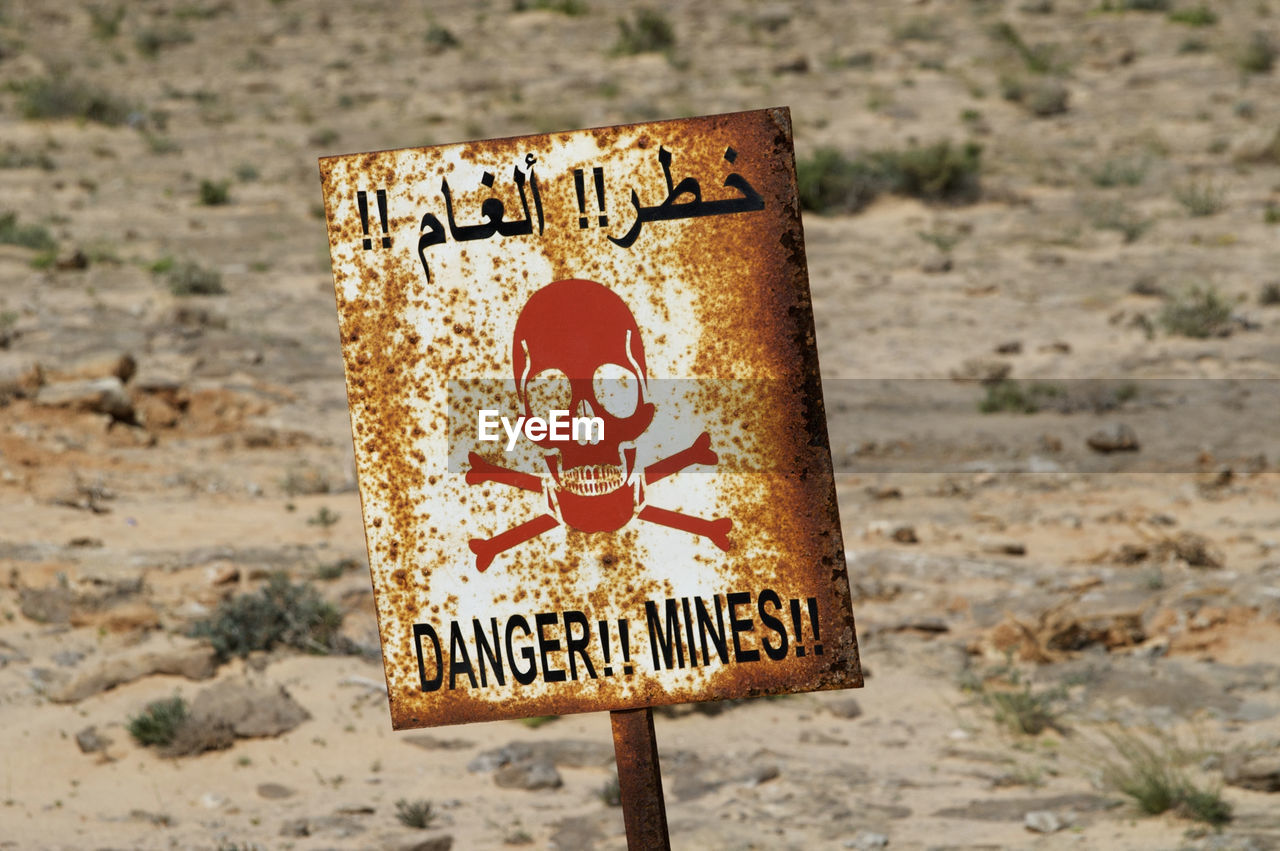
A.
pixel 577 347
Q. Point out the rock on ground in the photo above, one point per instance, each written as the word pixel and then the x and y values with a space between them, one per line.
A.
pixel 97 395
pixel 160 655
pixel 1257 770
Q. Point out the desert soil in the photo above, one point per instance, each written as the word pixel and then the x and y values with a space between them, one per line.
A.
pixel 1134 593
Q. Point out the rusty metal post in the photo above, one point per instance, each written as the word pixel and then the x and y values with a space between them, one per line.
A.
pixel 640 780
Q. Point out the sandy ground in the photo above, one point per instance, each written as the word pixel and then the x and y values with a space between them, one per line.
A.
pixel 1137 589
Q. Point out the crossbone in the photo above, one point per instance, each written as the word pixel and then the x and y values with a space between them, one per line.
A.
pixel 483 471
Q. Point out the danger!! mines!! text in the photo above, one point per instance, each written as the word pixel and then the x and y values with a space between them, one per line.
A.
pixel 723 628
pixel 559 426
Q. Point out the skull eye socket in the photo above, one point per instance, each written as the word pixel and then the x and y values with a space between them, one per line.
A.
pixel 548 391
pixel 617 389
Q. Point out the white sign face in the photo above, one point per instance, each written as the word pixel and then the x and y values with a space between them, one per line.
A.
pixel 588 420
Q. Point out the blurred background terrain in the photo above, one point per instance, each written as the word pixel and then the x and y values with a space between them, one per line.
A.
pixel 1043 240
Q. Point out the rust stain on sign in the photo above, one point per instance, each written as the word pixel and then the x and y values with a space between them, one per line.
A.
pixel 588 420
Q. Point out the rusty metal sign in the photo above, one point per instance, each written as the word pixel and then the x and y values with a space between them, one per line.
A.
pixel 588 421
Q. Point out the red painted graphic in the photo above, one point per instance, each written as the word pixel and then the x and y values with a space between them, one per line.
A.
pixel 577 348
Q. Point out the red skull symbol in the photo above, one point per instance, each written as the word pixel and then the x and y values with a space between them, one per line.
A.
pixel 577 348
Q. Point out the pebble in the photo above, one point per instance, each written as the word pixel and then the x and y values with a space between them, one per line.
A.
pixel 758 774
pixel 250 709
pixel 1117 437
pixel 1043 821
pixel 443 842
pixel 90 741
pixel 1003 546
pixel 936 264
pixel 905 535
pixel 529 774
pixel 274 791
pixel 98 395
pixel 224 575
pixel 844 707
pixel 95 365
pixel 212 801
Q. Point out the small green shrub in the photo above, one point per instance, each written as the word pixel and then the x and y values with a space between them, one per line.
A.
pixel 1024 711
pixel 1047 98
pixel 162 265
pixel 1194 16
pixel 1097 396
pixel 918 28
pixel 14 158
pixel 215 193
pixel 1143 775
pixel 160 144
pixel 1042 98
pixel 324 137
pixel 334 569
pixel 246 172
pixel 152 40
pixel 105 20
pixel 418 814
pixel 1009 396
pixel 304 480
pixel 277 613
pixel 572 8
pixel 533 722
pixel 190 278
pixel 1120 172
pixel 863 59
pixel 1271 215
pixel 34 237
pixel 1006 396
pixel 62 97
pixel 1270 294
pixel 829 181
pixel 200 11
pixel 1193 44
pixel 159 722
pixel 1199 312
pixel 439 39
pixel 1199 199
pixel 1135 5
pixel 1152 778
pixel 937 172
pixel 1116 216
pixel 943 240
pixel 1259 55
pixel 1205 805
pixel 611 793
pixel 323 518
pixel 648 31
pixel 1038 59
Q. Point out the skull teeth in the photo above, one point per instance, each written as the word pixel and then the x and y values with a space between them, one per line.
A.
pixel 592 479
